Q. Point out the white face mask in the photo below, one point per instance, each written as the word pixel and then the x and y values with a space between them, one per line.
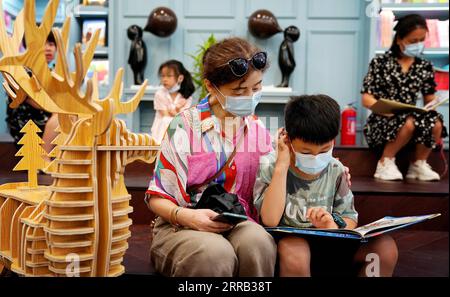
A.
pixel 240 106
pixel 311 164
pixel 174 89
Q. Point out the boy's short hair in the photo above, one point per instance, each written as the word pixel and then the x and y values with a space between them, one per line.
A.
pixel 51 38
pixel 312 118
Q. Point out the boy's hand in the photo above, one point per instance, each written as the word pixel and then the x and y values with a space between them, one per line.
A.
pixel 320 218
pixel 283 149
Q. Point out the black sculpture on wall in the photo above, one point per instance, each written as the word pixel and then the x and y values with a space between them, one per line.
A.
pixel 286 57
pixel 162 22
pixel 138 53
pixel 263 24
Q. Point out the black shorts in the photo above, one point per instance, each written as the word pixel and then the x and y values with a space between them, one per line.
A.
pixel 331 256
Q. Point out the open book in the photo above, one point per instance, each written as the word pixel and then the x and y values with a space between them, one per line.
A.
pixel 386 224
pixel 385 106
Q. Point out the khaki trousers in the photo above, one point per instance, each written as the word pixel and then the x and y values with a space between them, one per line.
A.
pixel 247 250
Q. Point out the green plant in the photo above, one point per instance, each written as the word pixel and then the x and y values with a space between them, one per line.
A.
pixel 198 65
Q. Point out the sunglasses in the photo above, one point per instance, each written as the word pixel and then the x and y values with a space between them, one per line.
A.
pixel 239 66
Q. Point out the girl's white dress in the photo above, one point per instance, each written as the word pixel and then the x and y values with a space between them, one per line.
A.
pixel 164 102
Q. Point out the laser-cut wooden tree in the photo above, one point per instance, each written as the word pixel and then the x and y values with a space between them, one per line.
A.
pixel 57 141
pixel 31 153
pixel 85 211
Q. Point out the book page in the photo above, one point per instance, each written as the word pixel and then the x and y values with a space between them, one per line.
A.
pixel 387 222
pixel 384 106
pixel 440 99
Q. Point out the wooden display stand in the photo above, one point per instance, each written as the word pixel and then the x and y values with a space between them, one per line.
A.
pixel 79 225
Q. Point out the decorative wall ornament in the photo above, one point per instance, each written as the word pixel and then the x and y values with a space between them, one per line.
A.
pixel 162 22
pixel 138 53
pixel 263 24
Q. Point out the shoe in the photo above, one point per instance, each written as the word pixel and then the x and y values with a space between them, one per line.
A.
pixel 421 170
pixel 387 170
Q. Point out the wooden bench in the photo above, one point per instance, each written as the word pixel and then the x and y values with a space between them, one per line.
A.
pixel 423 248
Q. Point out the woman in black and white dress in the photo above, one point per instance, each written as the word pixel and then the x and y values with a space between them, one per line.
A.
pixel 402 76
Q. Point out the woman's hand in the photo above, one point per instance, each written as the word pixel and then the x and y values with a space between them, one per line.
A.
pixel 347 174
pixel 321 218
pixel 201 220
pixel 283 149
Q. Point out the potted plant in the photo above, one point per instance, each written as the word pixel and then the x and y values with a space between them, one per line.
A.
pixel 198 65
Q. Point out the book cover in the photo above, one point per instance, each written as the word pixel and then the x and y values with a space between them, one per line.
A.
pixel 89 28
pixel 381 226
pixel 385 106
pixel 443 34
pixel 95 2
pixel 432 40
pixel 101 67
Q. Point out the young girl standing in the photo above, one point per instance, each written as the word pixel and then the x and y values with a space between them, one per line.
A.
pixel 173 97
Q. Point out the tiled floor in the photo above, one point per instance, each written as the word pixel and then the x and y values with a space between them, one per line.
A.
pixel 421 253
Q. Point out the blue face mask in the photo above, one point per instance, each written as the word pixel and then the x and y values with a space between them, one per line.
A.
pixel 414 50
pixel 241 106
pixel 311 164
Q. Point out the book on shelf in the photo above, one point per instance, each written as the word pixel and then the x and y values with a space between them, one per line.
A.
pixel 363 233
pixel 385 106
pixel 89 28
pixel 95 2
pixel 437 37
pixel 101 67
pixel 413 1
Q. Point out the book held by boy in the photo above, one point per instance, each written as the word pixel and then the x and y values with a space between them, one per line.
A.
pixel 363 233
pixel 385 106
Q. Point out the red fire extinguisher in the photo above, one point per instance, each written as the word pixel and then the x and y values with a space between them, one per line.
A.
pixel 348 126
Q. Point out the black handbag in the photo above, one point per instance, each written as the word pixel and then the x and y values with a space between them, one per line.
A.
pixel 215 196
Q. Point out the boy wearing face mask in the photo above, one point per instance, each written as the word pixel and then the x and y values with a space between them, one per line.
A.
pixel 301 185
pixel 173 97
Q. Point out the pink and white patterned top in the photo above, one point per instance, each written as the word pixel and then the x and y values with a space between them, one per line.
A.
pixel 194 149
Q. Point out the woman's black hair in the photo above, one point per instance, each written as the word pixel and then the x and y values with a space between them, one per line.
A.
pixel 406 25
pixel 187 86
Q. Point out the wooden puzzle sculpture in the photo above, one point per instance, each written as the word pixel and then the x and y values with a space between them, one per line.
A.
pixel 79 225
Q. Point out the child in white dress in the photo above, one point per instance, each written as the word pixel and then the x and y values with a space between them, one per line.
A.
pixel 173 97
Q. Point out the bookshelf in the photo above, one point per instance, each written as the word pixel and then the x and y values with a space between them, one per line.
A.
pixel 85 12
pixel 427 10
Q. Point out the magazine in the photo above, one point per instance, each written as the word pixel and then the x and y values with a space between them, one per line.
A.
pixel 385 106
pixel 381 226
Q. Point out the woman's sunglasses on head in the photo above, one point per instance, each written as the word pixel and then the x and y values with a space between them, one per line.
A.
pixel 239 66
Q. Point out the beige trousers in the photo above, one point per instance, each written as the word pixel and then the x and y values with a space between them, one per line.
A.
pixel 247 250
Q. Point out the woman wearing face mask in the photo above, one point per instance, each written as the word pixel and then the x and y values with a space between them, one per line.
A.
pixel 401 75
pixel 173 97
pixel 186 241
